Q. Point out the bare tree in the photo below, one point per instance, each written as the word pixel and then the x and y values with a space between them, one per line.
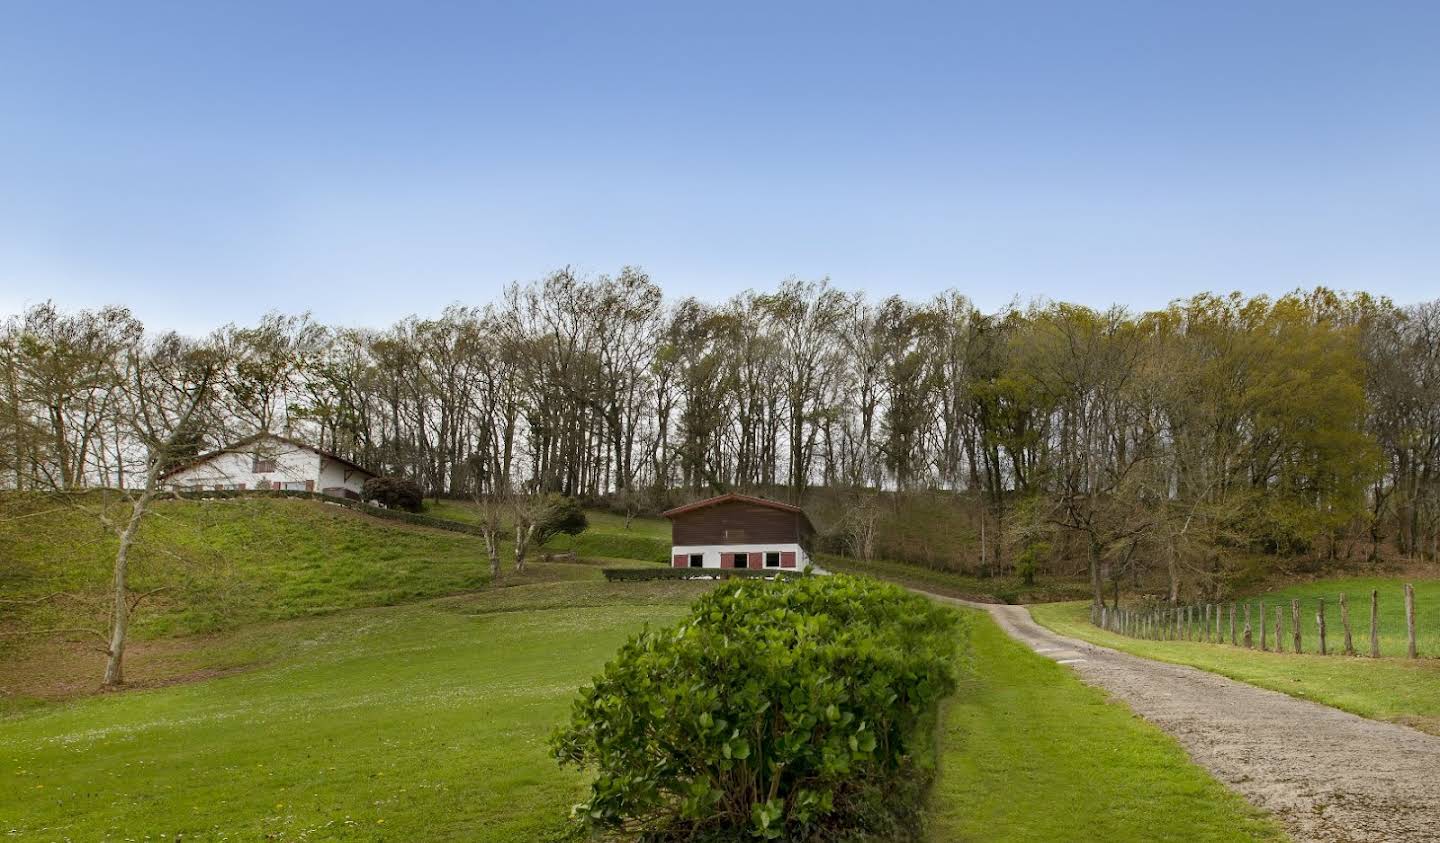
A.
pixel 163 387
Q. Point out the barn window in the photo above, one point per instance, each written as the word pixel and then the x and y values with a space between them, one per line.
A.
pixel 697 560
pixel 263 465
pixel 772 559
pixel 742 560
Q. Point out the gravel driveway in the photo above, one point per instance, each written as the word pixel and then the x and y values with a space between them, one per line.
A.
pixel 1326 774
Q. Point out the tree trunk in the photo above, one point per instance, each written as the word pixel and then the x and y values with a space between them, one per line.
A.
pixel 1097 585
pixel 120 628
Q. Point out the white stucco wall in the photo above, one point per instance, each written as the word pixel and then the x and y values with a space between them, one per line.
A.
pixel 712 552
pixel 235 469
pixel 335 475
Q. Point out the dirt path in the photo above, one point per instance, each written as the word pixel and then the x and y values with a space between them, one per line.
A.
pixel 1326 774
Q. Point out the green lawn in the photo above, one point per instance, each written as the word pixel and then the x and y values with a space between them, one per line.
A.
pixel 429 721
pixel 402 723
pixel 1398 689
pixel 1029 753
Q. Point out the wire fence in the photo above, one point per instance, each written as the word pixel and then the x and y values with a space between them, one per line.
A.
pixel 1273 627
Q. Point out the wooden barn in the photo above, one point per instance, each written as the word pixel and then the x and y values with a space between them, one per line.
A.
pixel 739 531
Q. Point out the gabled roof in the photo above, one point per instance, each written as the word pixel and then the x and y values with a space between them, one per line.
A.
pixel 250 440
pixel 736 497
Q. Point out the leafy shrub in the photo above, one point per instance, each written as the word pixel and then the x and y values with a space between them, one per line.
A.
pixel 395 493
pixel 559 515
pixel 787 709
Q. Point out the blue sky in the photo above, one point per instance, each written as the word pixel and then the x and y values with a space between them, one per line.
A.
pixel 206 162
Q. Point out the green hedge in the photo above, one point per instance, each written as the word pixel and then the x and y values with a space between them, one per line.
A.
pixel 637 574
pixel 797 709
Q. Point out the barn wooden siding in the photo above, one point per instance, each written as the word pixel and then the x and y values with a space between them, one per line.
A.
pixel 737 522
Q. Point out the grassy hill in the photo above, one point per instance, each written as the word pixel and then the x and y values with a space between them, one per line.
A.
pixel 224 563
pixel 215 566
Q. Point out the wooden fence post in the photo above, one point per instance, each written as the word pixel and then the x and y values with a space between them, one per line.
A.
pixel 1264 628
pixel 1206 636
pixel 1410 618
pixel 1219 630
pixel 1234 639
pixel 1375 623
pixel 1345 622
pixel 1320 622
pixel 1279 628
pixel 1295 623
pixel 1249 636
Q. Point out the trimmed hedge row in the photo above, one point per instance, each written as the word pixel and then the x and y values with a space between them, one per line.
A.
pixel 640 574
pixel 795 709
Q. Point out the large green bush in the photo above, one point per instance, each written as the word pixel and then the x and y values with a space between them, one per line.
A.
pixel 792 709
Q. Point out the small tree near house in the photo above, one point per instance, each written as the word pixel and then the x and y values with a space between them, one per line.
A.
pixel 540 518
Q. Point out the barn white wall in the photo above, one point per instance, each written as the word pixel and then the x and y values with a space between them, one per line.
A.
pixel 712 552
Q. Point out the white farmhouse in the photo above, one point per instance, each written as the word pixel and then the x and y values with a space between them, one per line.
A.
pixel 268 461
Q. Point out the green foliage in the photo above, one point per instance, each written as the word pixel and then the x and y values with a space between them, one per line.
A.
pixel 778 709
pixel 395 493
pixel 559 515
pixel 1029 561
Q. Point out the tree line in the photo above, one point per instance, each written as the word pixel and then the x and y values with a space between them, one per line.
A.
pixel 1162 440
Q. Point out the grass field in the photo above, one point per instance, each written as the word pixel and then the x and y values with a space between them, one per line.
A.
pixel 429 721
pixel 1029 753
pixel 400 723
pixel 331 696
pixel 1397 689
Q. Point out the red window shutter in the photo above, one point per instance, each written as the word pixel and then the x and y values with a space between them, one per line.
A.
pixel 757 560
pixel 787 559
pixel 727 560
pixel 680 560
pixel 309 485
